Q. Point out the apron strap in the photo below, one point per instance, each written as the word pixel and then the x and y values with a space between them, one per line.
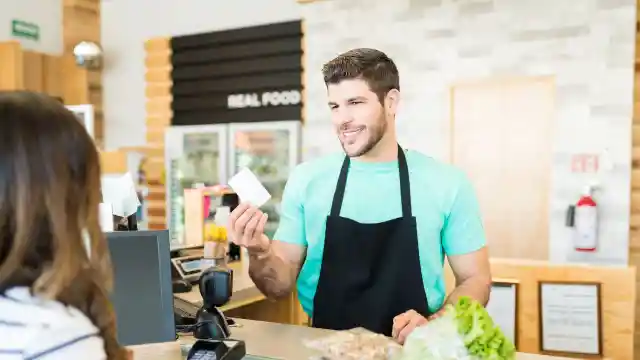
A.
pixel 405 186
pixel 338 195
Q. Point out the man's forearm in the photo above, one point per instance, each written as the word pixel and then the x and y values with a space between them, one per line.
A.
pixel 475 288
pixel 273 275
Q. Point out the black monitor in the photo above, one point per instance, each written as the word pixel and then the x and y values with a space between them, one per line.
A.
pixel 142 295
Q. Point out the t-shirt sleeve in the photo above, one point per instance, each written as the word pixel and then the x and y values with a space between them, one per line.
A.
pixel 463 231
pixel 291 228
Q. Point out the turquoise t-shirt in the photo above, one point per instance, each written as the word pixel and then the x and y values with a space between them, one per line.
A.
pixel 442 199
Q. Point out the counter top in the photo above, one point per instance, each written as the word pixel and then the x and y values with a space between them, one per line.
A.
pixel 266 341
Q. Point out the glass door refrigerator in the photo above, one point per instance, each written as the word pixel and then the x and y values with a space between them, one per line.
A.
pixel 270 150
pixel 195 156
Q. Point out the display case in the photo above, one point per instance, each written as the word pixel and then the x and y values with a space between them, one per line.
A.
pixel 208 155
pixel 195 156
pixel 270 150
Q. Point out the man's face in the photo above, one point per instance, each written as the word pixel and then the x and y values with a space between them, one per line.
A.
pixel 357 115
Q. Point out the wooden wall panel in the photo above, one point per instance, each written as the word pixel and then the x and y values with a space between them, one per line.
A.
pixel 634 225
pixel 618 292
pixel 159 114
pixel 81 22
pixel 12 69
pixel 34 71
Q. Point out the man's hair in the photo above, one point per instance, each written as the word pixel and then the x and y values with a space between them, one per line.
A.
pixel 370 65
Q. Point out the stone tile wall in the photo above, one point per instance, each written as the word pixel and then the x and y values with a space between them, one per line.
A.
pixel 588 45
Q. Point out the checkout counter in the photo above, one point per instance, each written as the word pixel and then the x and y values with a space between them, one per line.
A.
pixel 277 330
pixel 264 341
pixel 270 329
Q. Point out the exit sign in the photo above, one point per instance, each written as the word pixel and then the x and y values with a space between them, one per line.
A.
pixel 585 163
pixel 25 30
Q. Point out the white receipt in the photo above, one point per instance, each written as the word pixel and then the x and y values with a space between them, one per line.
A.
pixel 249 189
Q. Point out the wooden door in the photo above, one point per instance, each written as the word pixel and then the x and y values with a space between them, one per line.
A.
pixel 502 138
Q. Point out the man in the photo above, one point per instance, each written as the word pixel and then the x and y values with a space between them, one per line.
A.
pixel 365 234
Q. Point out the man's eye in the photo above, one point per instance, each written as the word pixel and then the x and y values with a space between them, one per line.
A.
pixel 356 102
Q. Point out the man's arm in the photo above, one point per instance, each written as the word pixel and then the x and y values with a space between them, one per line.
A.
pixel 473 276
pixel 464 243
pixel 275 271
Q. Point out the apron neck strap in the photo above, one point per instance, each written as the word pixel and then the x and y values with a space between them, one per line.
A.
pixel 405 187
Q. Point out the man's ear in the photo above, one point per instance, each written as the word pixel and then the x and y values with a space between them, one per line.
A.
pixel 391 101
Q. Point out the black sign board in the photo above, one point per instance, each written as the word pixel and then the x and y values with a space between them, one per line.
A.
pixel 250 74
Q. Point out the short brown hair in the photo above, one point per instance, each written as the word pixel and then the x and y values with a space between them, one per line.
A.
pixel 370 65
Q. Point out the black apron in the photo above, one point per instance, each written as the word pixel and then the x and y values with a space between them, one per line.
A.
pixel 370 273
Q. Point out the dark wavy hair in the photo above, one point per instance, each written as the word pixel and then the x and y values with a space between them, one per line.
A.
pixel 370 65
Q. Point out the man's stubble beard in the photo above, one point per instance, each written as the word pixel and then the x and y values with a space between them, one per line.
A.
pixel 376 133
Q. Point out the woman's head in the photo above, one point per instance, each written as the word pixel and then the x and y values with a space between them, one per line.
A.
pixel 49 198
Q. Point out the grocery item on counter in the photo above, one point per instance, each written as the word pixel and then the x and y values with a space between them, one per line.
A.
pixel 355 344
pixel 464 332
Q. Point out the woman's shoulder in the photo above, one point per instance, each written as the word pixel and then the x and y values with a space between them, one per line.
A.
pixel 37 326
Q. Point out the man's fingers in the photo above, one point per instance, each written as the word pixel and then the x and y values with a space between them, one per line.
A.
pixel 235 215
pixel 250 228
pixel 261 224
pixel 399 322
pixel 415 321
pixel 241 222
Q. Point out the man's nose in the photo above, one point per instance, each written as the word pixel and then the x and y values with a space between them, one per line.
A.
pixel 343 117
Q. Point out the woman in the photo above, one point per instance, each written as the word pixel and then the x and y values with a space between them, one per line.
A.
pixel 55 270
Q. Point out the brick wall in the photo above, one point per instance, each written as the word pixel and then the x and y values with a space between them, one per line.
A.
pixel 587 44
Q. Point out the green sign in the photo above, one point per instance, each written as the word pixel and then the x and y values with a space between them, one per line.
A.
pixel 25 30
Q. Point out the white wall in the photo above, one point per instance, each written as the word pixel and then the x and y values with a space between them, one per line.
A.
pixel 46 14
pixel 588 45
pixel 127 24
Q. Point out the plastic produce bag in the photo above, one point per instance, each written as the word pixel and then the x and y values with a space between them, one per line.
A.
pixel 355 344
pixel 464 332
pixel 438 340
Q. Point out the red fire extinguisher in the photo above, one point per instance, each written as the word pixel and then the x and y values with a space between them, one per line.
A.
pixel 583 218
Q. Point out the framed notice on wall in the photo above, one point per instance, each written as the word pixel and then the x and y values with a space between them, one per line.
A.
pixel 570 318
pixel 503 308
pixel 85 115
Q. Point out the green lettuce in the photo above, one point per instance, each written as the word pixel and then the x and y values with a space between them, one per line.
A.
pixel 481 336
pixel 465 331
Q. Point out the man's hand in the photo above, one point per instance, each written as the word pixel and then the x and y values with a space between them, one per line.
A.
pixel 246 225
pixel 437 314
pixel 405 323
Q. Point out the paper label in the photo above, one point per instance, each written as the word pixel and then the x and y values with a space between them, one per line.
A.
pixel 106 217
pixel 586 227
pixel 249 189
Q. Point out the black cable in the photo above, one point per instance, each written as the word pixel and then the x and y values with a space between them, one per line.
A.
pixel 192 328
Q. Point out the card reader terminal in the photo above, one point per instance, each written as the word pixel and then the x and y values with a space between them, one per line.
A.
pixel 190 267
